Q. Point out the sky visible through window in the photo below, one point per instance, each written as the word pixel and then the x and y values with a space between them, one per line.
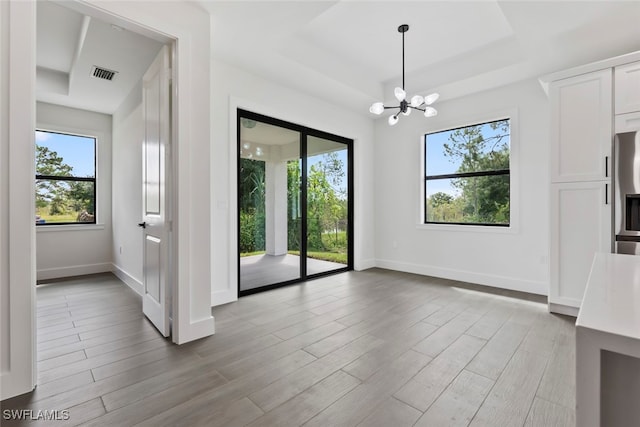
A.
pixel 77 151
pixel 439 164
pixel 342 156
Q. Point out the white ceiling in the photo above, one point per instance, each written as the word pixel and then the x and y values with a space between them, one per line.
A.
pixel 266 134
pixel 349 52
pixel 346 52
pixel 71 41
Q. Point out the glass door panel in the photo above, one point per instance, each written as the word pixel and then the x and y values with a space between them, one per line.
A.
pixel 327 225
pixel 269 173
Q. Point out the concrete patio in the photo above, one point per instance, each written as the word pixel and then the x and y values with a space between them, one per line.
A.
pixel 261 270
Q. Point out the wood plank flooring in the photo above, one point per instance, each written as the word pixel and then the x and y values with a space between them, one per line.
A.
pixel 372 348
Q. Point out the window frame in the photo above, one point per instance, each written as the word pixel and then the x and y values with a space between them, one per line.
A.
pixel 94 180
pixel 511 116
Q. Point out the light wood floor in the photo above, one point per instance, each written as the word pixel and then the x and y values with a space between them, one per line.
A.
pixel 373 348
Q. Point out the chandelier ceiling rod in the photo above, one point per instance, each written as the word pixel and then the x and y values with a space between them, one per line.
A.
pixel 418 102
pixel 403 29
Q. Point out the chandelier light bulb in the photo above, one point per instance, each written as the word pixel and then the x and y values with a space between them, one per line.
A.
pixel 430 99
pixel 417 100
pixel 376 108
pixel 430 112
pixel 400 94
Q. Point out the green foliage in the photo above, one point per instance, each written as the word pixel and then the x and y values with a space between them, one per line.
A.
pixel 326 206
pixel 80 196
pixel 444 209
pixel 245 254
pixel 340 258
pixel 50 163
pixel 251 232
pixel 252 205
pixel 252 191
pixel 60 199
pixel 483 199
pixel 294 219
pixel 440 199
pixel 326 203
pixel 51 193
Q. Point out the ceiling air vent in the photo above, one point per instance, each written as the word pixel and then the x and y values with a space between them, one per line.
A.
pixel 102 73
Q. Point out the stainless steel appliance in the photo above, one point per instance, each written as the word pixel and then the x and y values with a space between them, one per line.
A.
pixel 626 202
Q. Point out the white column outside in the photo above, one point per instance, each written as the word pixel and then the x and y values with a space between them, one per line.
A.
pixel 276 207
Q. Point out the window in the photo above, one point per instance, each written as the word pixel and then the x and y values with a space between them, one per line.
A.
pixel 65 178
pixel 467 175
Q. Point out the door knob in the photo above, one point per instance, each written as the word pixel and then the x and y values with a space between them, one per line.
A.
pixel 142 224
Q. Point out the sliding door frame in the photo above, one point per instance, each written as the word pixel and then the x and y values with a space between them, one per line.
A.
pixel 305 132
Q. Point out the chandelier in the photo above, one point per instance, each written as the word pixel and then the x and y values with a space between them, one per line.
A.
pixel 417 102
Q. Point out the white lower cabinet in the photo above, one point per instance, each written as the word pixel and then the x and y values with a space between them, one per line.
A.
pixel 580 227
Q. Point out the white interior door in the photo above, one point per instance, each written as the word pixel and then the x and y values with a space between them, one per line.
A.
pixel 156 301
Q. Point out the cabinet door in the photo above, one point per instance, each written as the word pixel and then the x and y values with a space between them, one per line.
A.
pixel 581 122
pixel 628 88
pixel 580 227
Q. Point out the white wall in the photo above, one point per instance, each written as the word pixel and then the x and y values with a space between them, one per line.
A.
pixel 234 88
pixel 70 250
pixel 128 133
pixel 513 259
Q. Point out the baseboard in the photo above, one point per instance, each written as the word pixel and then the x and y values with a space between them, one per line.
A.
pixel 511 283
pixel 128 279
pixel 365 264
pixel 563 309
pixel 73 270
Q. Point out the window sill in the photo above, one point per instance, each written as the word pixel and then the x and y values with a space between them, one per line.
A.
pixel 69 227
pixel 469 228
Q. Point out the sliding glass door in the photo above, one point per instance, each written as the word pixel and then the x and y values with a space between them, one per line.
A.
pixel 327 205
pixel 268 195
pixel 294 203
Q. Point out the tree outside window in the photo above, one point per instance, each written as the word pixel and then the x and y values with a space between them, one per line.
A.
pixel 467 175
pixel 65 178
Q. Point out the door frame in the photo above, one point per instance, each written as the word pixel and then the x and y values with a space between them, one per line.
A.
pixel 304 133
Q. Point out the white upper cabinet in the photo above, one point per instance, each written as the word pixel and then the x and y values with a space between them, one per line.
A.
pixel 581 127
pixel 628 122
pixel 627 87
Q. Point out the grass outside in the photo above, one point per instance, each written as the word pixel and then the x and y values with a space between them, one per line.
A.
pixel 325 256
pixel 244 254
pixel 48 218
pixel 336 242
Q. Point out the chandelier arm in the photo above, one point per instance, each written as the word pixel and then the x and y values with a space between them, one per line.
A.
pixel 417 108
pixel 387 108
